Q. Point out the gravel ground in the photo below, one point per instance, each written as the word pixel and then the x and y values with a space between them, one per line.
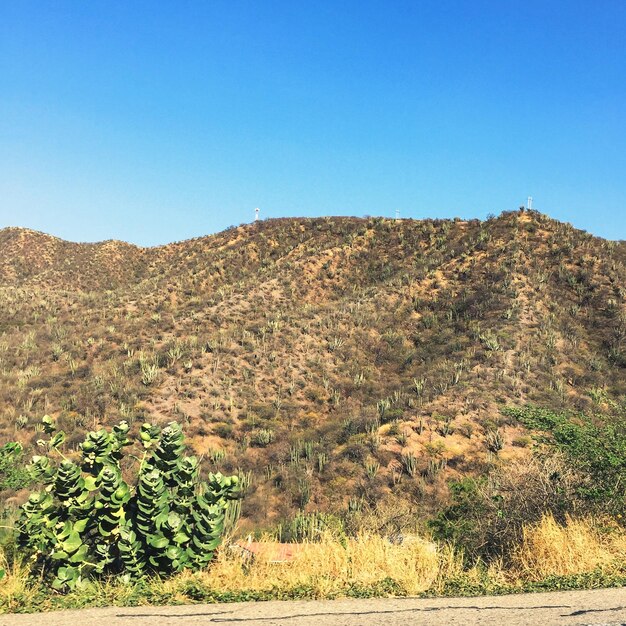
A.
pixel 604 607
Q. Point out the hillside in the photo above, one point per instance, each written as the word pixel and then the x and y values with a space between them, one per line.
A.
pixel 335 358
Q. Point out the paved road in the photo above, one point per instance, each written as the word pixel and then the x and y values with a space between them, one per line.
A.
pixel 605 607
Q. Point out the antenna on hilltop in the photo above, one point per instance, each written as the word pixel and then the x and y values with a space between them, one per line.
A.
pixel 529 204
pixel 397 214
pixel 256 214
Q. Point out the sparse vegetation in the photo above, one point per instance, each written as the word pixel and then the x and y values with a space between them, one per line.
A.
pixel 339 365
pixel 287 330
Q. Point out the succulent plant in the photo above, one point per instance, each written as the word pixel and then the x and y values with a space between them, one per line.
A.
pixel 88 521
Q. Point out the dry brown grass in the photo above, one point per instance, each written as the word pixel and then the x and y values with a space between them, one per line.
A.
pixel 579 546
pixel 330 567
pixel 357 566
pixel 15 581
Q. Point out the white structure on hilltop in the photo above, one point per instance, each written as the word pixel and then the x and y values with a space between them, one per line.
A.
pixel 529 205
pixel 256 214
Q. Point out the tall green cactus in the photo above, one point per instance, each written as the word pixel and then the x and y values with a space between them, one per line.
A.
pixel 88 521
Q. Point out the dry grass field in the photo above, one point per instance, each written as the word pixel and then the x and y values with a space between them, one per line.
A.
pixel 582 553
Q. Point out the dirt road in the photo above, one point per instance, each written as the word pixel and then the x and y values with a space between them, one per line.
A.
pixel 605 607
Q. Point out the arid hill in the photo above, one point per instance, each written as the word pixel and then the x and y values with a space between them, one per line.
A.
pixel 335 359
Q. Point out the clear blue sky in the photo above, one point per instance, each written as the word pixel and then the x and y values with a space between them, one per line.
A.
pixel 158 121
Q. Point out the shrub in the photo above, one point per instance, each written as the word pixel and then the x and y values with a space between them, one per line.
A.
pixel 487 515
pixel 13 474
pixel 263 437
pixel 595 447
pixel 88 521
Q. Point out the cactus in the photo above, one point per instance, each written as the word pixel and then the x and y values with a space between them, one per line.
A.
pixel 409 464
pixel 89 522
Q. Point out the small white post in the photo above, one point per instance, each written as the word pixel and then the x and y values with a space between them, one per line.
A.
pixel 529 206
pixel 256 214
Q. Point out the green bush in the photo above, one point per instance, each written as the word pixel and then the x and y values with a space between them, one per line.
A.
pixel 88 521
pixel 13 474
pixel 579 468
pixel 594 446
pixel 487 515
pixel 459 522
